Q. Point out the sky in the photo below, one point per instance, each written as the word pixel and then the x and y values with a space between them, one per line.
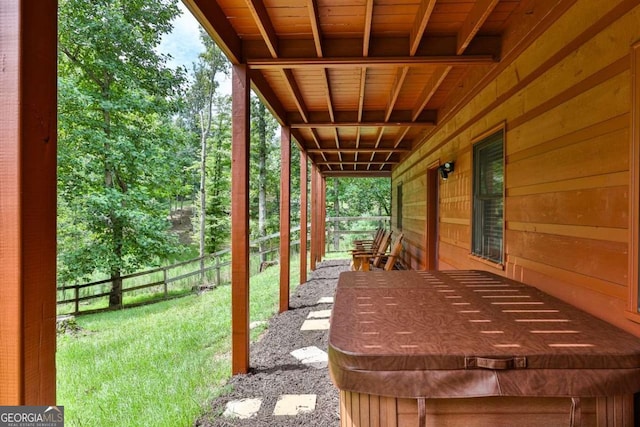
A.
pixel 183 44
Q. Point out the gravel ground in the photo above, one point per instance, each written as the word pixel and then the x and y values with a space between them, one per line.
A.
pixel 275 372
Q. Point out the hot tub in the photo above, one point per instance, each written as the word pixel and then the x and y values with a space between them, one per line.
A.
pixel 470 348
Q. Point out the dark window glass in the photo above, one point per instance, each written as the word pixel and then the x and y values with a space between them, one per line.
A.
pixel 488 198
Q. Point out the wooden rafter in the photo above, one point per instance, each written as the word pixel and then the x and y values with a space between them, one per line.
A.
pixel 327 83
pixel 476 18
pixel 426 118
pixel 355 163
pixel 368 20
pixel 316 139
pixel 361 92
pixel 401 74
pixel 358 173
pixel 315 26
pixel 368 62
pixel 261 17
pixel 420 24
pixel 358 150
pixel 429 90
pixel 397 142
pixel 295 92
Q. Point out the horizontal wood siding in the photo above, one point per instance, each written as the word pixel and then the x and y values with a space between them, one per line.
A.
pixel 565 103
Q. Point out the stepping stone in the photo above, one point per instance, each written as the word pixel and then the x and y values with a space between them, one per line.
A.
pixel 257 323
pixel 243 408
pixel 311 356
pixel 325 300
pixel 294 404
pixel 320 314
pixel 315 325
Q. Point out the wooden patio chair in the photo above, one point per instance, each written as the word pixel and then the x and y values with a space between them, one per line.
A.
pixel 375 260
pixel 369 244
pixel 357 256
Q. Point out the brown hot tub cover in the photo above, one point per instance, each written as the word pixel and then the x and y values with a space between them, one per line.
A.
pixel 471 334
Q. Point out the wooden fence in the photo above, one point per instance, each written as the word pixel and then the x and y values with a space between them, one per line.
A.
pixel 185 277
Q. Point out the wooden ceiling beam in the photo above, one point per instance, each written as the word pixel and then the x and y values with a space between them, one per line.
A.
pixel 327 83
pixel 357 150
pixel 429 90
pixel 357 173
pixel 355 163
pixel 474 21
pixel 397 142
pixel 368 20
pixel 295 92
pixel 420 24
pixel 380 46
pixel 268 33
pixel 267 95
pixel 401 74
pixel 207 12
pixel 312 6
pixel 368 62
pixel 318 119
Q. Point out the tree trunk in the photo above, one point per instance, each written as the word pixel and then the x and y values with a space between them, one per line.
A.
pixel 262 178
pixel 203 199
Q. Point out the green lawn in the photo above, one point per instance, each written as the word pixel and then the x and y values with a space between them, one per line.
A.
pixel 155 365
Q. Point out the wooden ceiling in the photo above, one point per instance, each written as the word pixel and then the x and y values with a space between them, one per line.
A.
pixel 360 82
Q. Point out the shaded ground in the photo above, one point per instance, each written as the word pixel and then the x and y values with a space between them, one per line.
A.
pixel 275 372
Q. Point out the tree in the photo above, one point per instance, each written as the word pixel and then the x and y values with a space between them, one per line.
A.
pixel 115 136
pixel 265 164
pixel 201 96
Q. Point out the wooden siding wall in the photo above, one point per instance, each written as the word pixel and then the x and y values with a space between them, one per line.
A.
pixel 565 102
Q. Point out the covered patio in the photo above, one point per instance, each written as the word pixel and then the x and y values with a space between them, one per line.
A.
pixel 377 88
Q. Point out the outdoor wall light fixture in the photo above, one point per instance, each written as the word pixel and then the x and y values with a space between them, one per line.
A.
pixel 445 170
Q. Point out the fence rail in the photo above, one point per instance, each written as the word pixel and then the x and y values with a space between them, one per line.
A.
pixel 183 277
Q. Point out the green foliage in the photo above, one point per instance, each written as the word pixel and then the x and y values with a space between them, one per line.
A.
pixel 116 136
pixel 359 196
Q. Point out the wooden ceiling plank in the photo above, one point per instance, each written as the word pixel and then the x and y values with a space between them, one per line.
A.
pixel 478 15
pixel 401 74
pixel 430 89
pixel 420 24
pixel 368 20
pixel 208 12
pixel 295 92
pixel 316 139
pixel 265 26
pixel 321 125
pixel 368 62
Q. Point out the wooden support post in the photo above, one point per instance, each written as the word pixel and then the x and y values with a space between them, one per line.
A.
pixel 314 218
pixel 285 216
pixel 28 34
pixel 240 220
pixel 303 217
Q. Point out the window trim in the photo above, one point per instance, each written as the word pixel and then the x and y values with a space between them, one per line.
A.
pixel 484 137
pixel 399 205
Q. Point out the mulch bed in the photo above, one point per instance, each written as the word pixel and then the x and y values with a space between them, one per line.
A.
pixel 275 372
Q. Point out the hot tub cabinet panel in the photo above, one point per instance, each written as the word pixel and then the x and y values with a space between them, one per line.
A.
pixel 470 348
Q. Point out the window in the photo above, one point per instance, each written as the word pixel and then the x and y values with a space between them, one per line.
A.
pixel 488 198
pixel 399 205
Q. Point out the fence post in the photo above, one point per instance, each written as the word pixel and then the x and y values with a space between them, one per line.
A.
pixel 164 279
pixel 77 297
pixel 218 270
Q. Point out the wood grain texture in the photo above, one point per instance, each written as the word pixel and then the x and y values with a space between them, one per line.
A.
pixel 28 203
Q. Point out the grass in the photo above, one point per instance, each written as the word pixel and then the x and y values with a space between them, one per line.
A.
pixel 158 364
